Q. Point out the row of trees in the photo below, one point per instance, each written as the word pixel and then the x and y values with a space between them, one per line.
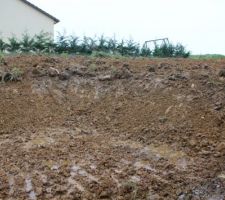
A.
pixel 42 43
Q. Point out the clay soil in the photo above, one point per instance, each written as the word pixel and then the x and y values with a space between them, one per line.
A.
pixel 103 128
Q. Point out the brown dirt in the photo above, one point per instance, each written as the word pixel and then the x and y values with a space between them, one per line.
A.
pixel 88 128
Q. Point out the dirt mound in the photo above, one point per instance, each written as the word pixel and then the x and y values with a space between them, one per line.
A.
pixel 89 128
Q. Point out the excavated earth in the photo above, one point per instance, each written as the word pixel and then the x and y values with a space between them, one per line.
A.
pixel 102 128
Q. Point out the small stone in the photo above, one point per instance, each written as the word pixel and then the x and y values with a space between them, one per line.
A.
pixel 204 152
pixel 7 77
pixel 193 142
pixel 218 106
pixel 61 189
pixel 39 191
pixel 222 73
pixel 126 65
pixel 104 194
pixel 151 69
pixel 52 72
pixel 162 120
pixel 221 147
pixel 55 167
pixel 175 77
pixel 105 78
pixel 64 76
pixel 49 190
pixel 164 66
pixel 206 66
pixel 36 71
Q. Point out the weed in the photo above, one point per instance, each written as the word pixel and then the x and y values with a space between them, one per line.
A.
pixel 101 54
pixel 114 71
pixel 130 187
pixel 16 73
pixel 64 55
pixel 93 67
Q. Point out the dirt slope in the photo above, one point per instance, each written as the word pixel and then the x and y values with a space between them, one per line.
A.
pixel 88 128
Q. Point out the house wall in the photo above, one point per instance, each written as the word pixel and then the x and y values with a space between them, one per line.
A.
pixel 16 18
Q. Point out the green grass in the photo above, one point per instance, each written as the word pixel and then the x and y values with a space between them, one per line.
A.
pixel 207 56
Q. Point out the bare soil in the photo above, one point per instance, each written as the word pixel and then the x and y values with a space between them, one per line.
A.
pixel 90 128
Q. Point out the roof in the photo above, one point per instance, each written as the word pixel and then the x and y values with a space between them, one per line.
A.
pixel 40 10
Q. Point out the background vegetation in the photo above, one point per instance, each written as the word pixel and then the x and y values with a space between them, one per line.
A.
pixel 97 46
pixel 207 56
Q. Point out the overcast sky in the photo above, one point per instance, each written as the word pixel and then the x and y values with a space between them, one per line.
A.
pixel 198 24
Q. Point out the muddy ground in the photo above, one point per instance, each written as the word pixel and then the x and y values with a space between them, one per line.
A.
pixel 91 128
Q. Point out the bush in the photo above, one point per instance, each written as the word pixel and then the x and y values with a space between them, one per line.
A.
pixel 13 45
pixel 62 44
pixel 98 47
pixel 73 43
pixel 43 43
pixel 112 45
pixel 102 44
pixel 27 43
pixel 16 73
pixel 3 45
pixel 145 52
pixel 180 51
pixel 170 50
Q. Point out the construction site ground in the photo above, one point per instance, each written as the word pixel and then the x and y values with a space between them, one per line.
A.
pixel 106 128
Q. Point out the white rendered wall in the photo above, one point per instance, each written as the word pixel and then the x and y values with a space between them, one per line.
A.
pixel 16 18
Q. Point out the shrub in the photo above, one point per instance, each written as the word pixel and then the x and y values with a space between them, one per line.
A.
pixel 121 48
pixel 170 50
pixel 43 43
pixel 73 44
pixel 3 45
pixel 112 45
pixel 87 45
pixel 132 48
pixel 100 46
pixel 145 52
pixel 13 44
pixel 16 73
pixel 27 43
pixel 180 51
pixel 62 44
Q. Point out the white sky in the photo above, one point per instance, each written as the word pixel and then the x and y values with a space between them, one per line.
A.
pixel 198 24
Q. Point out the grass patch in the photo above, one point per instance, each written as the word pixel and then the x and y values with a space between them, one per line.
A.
pixel 207 56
